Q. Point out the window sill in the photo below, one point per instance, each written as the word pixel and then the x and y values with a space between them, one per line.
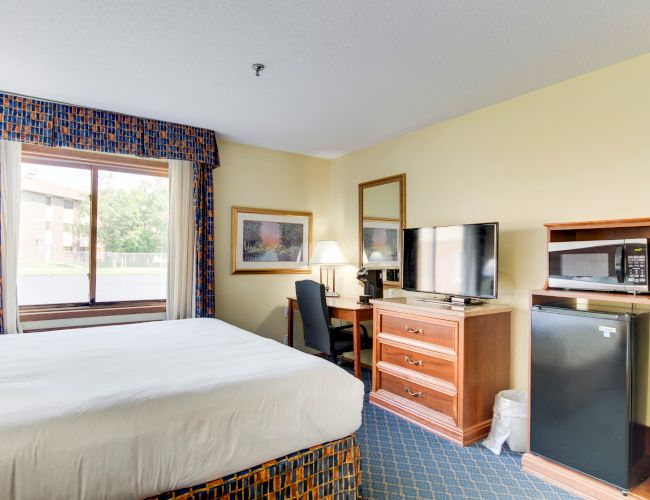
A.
pixel 55 312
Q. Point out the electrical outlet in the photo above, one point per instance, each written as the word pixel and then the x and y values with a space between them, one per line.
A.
pixel 286 340
pixel 286 313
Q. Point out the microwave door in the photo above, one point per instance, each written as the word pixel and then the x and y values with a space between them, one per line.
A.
pixel 587 265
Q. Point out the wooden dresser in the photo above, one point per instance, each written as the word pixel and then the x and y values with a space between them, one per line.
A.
pixel 440 366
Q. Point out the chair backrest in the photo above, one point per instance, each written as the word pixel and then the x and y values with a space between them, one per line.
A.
pixel 315 315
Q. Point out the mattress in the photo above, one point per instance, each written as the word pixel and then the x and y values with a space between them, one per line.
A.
pixel 134 410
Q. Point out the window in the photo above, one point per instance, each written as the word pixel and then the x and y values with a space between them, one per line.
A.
pixel 106 225
pixel 132 220
pixel 47 273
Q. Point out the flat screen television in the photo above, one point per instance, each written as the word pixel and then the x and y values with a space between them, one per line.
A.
pixel 452 260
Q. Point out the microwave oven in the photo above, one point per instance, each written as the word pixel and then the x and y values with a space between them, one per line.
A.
pixel 602 265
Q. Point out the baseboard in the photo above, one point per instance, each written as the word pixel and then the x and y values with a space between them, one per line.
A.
pixel 569 480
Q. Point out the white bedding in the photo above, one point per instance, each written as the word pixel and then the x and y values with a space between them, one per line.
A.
pixel 131 411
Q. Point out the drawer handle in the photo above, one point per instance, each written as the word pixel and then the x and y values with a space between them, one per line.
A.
pixel 411 393
pixel 413 330
pixel 410 361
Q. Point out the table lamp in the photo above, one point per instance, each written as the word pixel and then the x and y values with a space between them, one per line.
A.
pixel 327 253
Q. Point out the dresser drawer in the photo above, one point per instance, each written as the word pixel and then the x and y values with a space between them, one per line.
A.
pixel 416 393
pixel 425 364
pixel 439 332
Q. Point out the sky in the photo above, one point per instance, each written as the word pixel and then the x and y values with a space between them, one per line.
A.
pixel 79 179
pixel 270 233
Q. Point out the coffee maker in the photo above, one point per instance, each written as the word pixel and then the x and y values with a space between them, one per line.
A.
pixel 373 284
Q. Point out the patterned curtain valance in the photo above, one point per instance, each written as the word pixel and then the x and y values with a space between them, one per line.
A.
pixel 47 123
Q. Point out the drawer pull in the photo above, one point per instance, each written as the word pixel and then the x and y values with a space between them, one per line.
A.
pixel 410 361
pixel 413 330
pixel 411 393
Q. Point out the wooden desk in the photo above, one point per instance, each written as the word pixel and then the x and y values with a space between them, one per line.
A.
pixel 344 308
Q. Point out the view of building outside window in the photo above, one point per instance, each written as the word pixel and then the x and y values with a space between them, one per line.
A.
pixel 54 241
pixel 52 255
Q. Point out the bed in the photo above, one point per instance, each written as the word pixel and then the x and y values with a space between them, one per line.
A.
pixel 171 409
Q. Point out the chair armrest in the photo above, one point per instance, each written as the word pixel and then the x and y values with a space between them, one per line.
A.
pixel 364 330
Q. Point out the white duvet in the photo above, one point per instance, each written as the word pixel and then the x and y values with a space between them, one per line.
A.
pixel 131 411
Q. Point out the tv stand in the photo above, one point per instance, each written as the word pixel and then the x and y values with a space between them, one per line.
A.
pixel 454 301
pixel 466 301
pixel 444 301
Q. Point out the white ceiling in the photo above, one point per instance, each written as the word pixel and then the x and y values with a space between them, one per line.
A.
pixel 341 74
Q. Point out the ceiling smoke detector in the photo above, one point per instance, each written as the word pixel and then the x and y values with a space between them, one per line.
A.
pixel 257 67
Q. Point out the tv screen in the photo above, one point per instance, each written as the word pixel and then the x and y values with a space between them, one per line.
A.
pixel 451 260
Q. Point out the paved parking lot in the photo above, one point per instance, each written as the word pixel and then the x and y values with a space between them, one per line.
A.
pixel 58 289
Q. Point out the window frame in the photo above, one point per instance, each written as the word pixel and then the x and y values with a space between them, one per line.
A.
pixel 94 163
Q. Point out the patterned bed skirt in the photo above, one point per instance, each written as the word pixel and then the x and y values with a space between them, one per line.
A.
pixel 329 470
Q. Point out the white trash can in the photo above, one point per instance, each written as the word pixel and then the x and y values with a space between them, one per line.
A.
pixel 509 422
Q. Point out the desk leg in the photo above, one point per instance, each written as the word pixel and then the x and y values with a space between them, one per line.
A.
pixel 290 324
pixel 356 339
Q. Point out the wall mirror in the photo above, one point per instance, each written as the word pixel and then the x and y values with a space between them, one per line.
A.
pixel 382 216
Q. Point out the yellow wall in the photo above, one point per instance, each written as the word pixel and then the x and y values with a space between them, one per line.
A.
pixel 578 150
pixel 262 178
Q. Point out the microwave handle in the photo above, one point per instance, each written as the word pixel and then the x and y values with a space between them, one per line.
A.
pixel 619 263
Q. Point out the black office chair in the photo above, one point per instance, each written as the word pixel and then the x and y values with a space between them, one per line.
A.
pixel 317 324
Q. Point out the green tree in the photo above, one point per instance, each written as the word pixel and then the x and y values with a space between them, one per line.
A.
pixel 368 240
pixel 290 235
pixel 391 242
pixel 133 220
pixel 252 234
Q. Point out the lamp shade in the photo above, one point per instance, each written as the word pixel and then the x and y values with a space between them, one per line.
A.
pixel 376 256
pixel 327 253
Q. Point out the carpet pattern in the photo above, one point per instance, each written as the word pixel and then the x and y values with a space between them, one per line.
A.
pixel 401 460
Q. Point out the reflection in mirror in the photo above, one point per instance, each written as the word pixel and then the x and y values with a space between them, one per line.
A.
pixel 381 220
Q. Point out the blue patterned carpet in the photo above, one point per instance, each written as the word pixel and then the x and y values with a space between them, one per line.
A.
pixel 401 460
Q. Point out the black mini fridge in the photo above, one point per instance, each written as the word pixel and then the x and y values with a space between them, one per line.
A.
pixel 585 366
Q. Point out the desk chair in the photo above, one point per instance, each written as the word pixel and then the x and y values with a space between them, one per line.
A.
pixel 317 324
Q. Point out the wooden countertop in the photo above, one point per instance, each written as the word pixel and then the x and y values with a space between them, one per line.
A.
pixel 348 303
pixel 419 306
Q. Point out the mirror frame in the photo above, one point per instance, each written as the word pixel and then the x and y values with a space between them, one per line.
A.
pixel 401 180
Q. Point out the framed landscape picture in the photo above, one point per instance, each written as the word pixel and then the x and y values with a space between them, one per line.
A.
pixel 381 243
pixel 270 241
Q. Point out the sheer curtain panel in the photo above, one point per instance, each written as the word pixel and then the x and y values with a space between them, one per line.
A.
pixel 10 157
pixel 180 266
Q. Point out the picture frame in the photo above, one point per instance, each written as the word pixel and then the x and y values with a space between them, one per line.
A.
pixel 380 243
pixel 270 241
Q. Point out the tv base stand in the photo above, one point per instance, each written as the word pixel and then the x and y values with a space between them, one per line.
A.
pixel 454 301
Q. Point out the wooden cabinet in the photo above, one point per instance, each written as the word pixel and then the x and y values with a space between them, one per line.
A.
pixel 440 366
pixel 565 477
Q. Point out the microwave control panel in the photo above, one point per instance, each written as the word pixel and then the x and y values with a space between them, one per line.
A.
pixel 636 265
